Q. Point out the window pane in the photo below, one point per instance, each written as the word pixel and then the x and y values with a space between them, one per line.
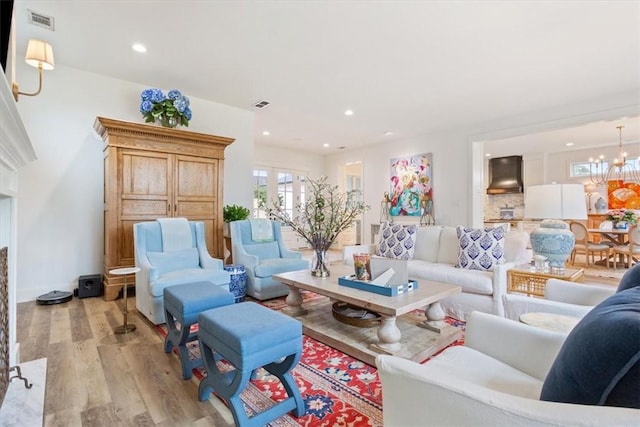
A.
pixel 259 193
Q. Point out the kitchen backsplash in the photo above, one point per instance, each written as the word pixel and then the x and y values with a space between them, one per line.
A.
pixel 493 203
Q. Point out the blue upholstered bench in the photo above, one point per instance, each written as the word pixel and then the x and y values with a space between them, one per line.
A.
pixel 250 336
pixel 183 303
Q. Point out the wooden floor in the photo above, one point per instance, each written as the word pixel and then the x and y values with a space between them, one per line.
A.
pixel 97 378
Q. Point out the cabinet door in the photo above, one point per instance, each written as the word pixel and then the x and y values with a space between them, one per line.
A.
pixel 196 196
pixel 145 195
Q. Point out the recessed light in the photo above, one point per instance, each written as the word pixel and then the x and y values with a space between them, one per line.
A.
pixel 487 155
pixel 139 47
pixel 325 145
pixel 387 133
pixel 265 132
pixel 569 144
pixel 348 113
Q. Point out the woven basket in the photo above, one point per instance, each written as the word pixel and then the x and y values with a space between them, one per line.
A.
pixel 346 313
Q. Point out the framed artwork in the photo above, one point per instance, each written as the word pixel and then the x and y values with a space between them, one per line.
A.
pixel 411 183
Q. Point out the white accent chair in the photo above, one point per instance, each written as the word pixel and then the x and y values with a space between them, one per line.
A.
pixel 159 269
pixel 560 297
pixel 495 379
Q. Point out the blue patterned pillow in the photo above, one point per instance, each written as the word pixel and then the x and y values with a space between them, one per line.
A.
pixel 397 241
pixel 480 248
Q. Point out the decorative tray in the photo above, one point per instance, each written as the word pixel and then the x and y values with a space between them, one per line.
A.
pixel 388 290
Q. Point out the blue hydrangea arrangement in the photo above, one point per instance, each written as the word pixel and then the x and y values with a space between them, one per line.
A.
pixel 170 110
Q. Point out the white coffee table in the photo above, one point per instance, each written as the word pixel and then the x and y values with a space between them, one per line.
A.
pixel 399 332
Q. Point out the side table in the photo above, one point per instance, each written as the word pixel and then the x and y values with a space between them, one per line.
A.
pixel 125 328
pixel 525 279
pixel 550 321
pixel 238 283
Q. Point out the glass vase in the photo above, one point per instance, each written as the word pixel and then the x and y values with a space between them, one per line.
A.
pixel 319 263
pixel 168 122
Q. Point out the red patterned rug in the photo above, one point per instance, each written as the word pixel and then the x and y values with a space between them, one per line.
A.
pixel 337 389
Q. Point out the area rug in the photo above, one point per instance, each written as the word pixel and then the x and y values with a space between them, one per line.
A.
pixel 337 389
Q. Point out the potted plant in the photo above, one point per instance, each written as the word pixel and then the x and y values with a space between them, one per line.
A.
pixel 233 213
pixel 326 213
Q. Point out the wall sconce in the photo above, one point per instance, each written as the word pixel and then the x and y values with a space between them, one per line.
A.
pixel 39 55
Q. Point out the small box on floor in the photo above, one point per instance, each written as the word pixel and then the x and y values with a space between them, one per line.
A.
pixel 90 286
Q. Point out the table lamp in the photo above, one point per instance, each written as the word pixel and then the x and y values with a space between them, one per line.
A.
pixel 554 203
pixel 590 189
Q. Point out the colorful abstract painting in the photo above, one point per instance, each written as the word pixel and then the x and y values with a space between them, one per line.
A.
pixel 411 182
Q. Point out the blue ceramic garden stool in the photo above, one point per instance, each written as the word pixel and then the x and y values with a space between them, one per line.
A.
pixel 250 336
pixel 182 304
pixel 238 280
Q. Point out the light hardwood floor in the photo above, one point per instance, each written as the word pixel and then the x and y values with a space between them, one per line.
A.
pixel 98 378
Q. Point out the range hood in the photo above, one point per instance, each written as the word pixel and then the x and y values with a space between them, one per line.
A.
pixel 505 175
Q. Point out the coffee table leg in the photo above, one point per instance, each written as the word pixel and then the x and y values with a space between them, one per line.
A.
pixel 388 336
pixel 435 318
pixel 294 303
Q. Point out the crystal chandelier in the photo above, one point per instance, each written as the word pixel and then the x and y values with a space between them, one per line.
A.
pixel 620 169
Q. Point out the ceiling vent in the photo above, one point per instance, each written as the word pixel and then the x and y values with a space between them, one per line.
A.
pixel 261 104
pixel 41 20
pixel 505 175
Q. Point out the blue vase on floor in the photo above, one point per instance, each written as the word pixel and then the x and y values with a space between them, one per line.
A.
pixel 238 281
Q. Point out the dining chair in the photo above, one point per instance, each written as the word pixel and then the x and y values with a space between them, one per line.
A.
pixel 629 250
pixel 583 244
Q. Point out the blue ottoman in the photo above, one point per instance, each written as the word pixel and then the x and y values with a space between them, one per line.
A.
pixel 250 336
pixel 183 303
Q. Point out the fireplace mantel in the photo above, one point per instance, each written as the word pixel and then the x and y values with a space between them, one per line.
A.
pixel 16 150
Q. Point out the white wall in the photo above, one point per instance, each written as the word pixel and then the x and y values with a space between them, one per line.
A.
pixel 60 216
pixel 267 155
pixel 451 174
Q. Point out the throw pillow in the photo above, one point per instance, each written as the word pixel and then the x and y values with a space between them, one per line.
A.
pixel 630 279
pixel 397 241
pixel 480 248
pixel 599 362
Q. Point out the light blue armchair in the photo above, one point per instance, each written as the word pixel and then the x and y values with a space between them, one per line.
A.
pixel 159 268
pixel 262 259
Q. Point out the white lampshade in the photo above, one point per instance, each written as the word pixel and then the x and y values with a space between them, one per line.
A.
pixel 555 201
pixel 39 52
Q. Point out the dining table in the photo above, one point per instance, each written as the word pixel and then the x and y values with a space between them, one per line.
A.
pixel 616 236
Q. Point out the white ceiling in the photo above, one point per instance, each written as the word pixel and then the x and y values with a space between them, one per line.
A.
pixel 410 67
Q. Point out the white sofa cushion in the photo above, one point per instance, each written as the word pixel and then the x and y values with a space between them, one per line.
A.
pixel 471 281
pixel 427 243
pixel 515 247
pixel 449 246
pixel 481 370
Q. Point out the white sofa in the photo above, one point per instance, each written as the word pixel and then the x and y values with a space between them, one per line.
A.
pixel 495 379
pixel 560 297
pixel 435 257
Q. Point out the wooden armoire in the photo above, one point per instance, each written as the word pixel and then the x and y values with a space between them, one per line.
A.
pixel 153 172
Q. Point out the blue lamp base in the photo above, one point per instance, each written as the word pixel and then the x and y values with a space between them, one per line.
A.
pixel 553 240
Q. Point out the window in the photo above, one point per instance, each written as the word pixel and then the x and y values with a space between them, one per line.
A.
pixel 260 193
pixel 271 185
pixel 584 169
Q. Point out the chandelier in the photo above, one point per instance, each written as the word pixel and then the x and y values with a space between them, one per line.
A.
pixel 620 169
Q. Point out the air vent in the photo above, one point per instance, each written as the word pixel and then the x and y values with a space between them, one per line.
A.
pixel 41 20
pixel 261 104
